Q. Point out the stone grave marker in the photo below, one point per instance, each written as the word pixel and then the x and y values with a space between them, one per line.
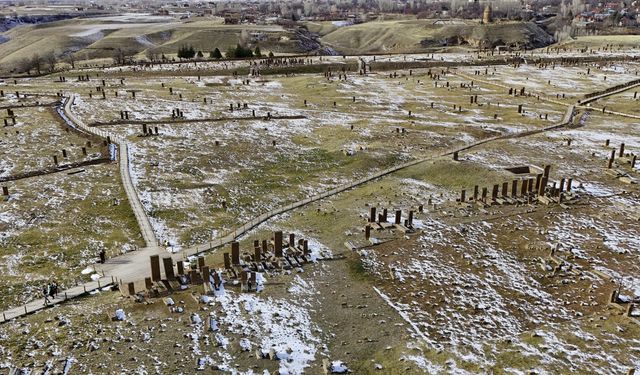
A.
pixel 155 267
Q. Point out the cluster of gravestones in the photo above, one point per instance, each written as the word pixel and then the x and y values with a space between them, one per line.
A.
pixel 103 92
pixel 613 88
pixel 514 92
pixel 282 61
pixel 156 285
pixel 362 67
pixel 621 304
pixel 335 103
pixel 380 222
pixel 101 89
pixel 268 255
pixel 65 154
pixel 546 66
pixel 342 75
pixel 17 95
pixel 478 72
pixel 623 158
pixel 177 113
pixel 10 116
pixel 531 189
pixel 558 266
pixel 473 99
pixel 436 76
pixel 148 131
pixel 239 106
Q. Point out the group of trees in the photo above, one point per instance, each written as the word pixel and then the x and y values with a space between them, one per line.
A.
pixel 187 52
pixel 46 63
pixel 122 56
pixel 237 52
pixel 38 64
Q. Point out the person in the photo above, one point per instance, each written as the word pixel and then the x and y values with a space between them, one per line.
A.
pixel 103 256
pixel 45 292
pixel 54 289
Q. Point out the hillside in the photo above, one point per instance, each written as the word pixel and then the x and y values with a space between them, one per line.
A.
pixel 418 35
pixel 98 37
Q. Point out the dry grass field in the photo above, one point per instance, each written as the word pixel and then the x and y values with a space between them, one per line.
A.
pixel 510 287
pixel 97 38
pixel 413 36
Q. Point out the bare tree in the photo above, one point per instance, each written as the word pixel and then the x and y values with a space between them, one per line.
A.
pixel 122 55
pixel 151 54
pixel 71 60
pixel 244 38
pixel 50 61
pixel 37 63
pixel 24 66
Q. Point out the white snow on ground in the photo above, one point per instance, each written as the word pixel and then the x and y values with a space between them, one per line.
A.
pixel 572 354
pixel 144 40
pixel 480 292
pixel 424 364
pixel 153 181
pixel 563 79
pixel 404 316
pixel 93 34
pixel 610 232
pixel 276 325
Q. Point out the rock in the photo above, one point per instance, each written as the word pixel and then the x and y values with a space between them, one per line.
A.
pixel 120 315
pixel 195 319
pixel 335 367
pixel 245 344
pixel 206 299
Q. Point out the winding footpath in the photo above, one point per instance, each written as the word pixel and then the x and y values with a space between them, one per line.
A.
pixel 134 266
pixel 123 160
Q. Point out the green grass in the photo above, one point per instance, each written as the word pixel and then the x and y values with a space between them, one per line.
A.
pixel 454 175
pixel 356 269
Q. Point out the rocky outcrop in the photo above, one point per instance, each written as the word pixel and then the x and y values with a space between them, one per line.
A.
pixel 309 42
pixel 8 23
pixel 510 35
